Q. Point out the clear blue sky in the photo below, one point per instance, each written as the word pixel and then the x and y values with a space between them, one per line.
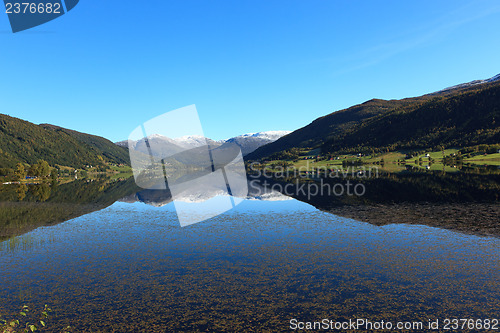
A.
pixel 248 65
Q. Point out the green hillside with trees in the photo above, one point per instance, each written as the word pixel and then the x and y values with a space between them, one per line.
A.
pixel 25 142
pixel 455 118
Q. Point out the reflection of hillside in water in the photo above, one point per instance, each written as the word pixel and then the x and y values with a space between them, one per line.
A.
pixel 471 218
pixel 25 208
pixel 464 201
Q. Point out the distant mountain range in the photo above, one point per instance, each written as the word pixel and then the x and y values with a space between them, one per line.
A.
pixel 463 115
pixel 247 142
pixel 23 141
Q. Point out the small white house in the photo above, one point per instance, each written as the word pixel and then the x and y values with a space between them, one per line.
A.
pixel 427 155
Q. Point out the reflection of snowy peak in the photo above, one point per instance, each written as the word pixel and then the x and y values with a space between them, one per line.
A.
pixel 272 196
pixel 199 197
pixel 159 198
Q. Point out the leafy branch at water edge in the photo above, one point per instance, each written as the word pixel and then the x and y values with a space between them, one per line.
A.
pixel 27 322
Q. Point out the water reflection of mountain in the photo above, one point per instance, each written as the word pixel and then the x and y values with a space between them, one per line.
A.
pixel 25 208
pixel 159 198
pixel 156 198
pixel 463 201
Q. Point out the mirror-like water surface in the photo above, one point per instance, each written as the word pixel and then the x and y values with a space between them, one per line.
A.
pixel 131 267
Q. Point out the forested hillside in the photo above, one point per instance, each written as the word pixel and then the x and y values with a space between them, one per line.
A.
pixel 461 120
pixel 22 141
pixel 460 117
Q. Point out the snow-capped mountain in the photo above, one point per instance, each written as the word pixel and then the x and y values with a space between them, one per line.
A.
pixel 269 135
pixel 167 146
pixel 123 143
pixel 193 141
pixel 161 145
pixel 472 83
pixel 251 141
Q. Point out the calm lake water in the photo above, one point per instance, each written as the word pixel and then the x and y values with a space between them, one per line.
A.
pixel 130 267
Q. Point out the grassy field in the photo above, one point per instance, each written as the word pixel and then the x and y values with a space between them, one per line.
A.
pixel 491 159
pixel 391 157
pixel 439 154
pixel 124 168
pixel 391 161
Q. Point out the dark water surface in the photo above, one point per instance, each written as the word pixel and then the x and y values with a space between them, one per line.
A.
pixel 131 268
